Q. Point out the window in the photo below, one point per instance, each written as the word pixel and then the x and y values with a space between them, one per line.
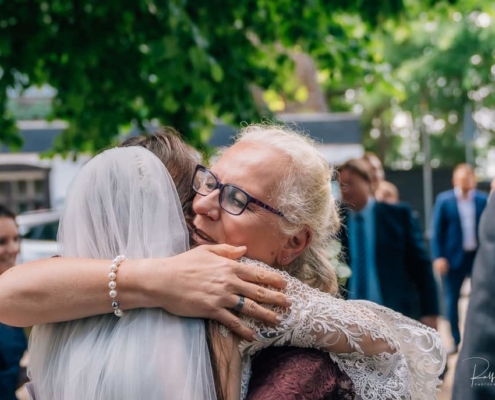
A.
pixel 24 188
pixel 46 231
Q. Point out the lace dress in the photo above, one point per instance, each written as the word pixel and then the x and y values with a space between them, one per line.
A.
pixel 408 370
pixel 288 373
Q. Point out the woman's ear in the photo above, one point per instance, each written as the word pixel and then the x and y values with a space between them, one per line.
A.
pixel 295 245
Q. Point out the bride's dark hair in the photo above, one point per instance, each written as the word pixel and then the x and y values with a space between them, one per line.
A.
pixel 180 159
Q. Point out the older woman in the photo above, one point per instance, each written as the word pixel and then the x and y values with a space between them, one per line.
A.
pixel 274 197
pixel 286 219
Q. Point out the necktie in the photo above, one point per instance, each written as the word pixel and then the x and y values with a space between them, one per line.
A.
pixel 361 292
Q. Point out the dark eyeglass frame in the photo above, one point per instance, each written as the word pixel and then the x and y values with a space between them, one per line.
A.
pixel 219 185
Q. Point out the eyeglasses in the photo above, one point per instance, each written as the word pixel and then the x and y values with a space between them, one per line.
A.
pixel 232 199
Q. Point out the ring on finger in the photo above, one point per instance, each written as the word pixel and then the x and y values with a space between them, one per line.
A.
pixel 240 303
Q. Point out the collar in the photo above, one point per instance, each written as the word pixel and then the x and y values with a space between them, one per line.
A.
pixel 458 194
pixel 367 209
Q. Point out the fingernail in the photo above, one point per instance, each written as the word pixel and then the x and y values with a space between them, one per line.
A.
pixel 288 302
pixel 255 337
pixel 279 318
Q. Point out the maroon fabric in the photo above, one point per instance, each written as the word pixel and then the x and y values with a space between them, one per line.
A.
pixel 289 373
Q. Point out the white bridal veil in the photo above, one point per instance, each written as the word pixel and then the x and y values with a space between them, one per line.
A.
pixel 122 202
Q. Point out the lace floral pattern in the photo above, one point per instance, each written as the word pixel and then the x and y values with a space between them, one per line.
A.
pixel 408 366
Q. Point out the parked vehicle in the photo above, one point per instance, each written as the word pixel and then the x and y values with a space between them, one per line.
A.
pixel 39 234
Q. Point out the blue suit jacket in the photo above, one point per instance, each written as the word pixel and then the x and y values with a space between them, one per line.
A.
pixel 446 240
pixel 403 265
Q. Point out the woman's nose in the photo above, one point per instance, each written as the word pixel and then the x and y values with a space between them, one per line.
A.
pixel 207 205
pixel 13 247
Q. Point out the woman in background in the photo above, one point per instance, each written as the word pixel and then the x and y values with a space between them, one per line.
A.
pixel 12 340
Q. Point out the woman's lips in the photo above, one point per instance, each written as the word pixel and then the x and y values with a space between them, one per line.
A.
pixel 201 238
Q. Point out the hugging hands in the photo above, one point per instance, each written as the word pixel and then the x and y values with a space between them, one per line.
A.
pixel 207 282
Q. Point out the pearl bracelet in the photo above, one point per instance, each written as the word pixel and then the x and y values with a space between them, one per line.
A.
pixel 113 285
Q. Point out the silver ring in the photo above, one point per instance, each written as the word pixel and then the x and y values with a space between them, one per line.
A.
pixel 240 303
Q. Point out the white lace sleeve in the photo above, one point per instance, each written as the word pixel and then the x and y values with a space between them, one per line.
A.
pixel 386 355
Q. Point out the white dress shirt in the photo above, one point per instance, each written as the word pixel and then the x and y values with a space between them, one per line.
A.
pixel 467 213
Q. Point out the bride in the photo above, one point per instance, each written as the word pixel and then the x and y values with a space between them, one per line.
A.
pixel 123 203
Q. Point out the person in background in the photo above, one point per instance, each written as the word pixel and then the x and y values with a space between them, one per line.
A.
pixel 454 242
pixel 376 170
pixel 387 192
pixel 13 342
pixel 478 353
pixel 384 247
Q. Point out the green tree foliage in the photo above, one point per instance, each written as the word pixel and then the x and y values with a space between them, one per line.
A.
pixel 430 65
pixel 177 62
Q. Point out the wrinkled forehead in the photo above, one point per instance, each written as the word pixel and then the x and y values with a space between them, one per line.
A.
pixel 251 166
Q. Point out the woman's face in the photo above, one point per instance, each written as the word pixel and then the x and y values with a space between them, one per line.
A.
pixel 255 169
pixel 9 243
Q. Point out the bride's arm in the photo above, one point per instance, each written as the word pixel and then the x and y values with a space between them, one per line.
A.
pixel 202 283
pixel 59 289
pixel 381 350
pixel 320 320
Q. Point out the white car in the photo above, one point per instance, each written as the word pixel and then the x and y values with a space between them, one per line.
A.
pixel 39 234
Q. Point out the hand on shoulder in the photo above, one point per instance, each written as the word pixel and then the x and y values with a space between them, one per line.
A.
pixel 206 282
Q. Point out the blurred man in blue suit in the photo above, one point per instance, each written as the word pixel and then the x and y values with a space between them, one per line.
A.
pixel 383 244
pixel 455 239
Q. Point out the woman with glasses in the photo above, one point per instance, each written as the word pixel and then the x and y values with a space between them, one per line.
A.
pixel 271 193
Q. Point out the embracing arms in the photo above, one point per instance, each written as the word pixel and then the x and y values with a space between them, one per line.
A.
pixel 382 351
pixel 203 283
pixel 320 320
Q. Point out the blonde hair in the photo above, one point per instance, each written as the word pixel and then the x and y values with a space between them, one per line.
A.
pixel 304 196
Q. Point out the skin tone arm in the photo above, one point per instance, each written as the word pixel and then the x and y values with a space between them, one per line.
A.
pixel 203 283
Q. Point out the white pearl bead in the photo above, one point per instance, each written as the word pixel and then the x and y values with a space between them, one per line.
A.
pixel 113 294
pixel 118 312
pixel 112 285
pixel 113 268
pixel 112 276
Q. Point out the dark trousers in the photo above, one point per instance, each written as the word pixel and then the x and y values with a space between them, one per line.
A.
pixel 452 283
